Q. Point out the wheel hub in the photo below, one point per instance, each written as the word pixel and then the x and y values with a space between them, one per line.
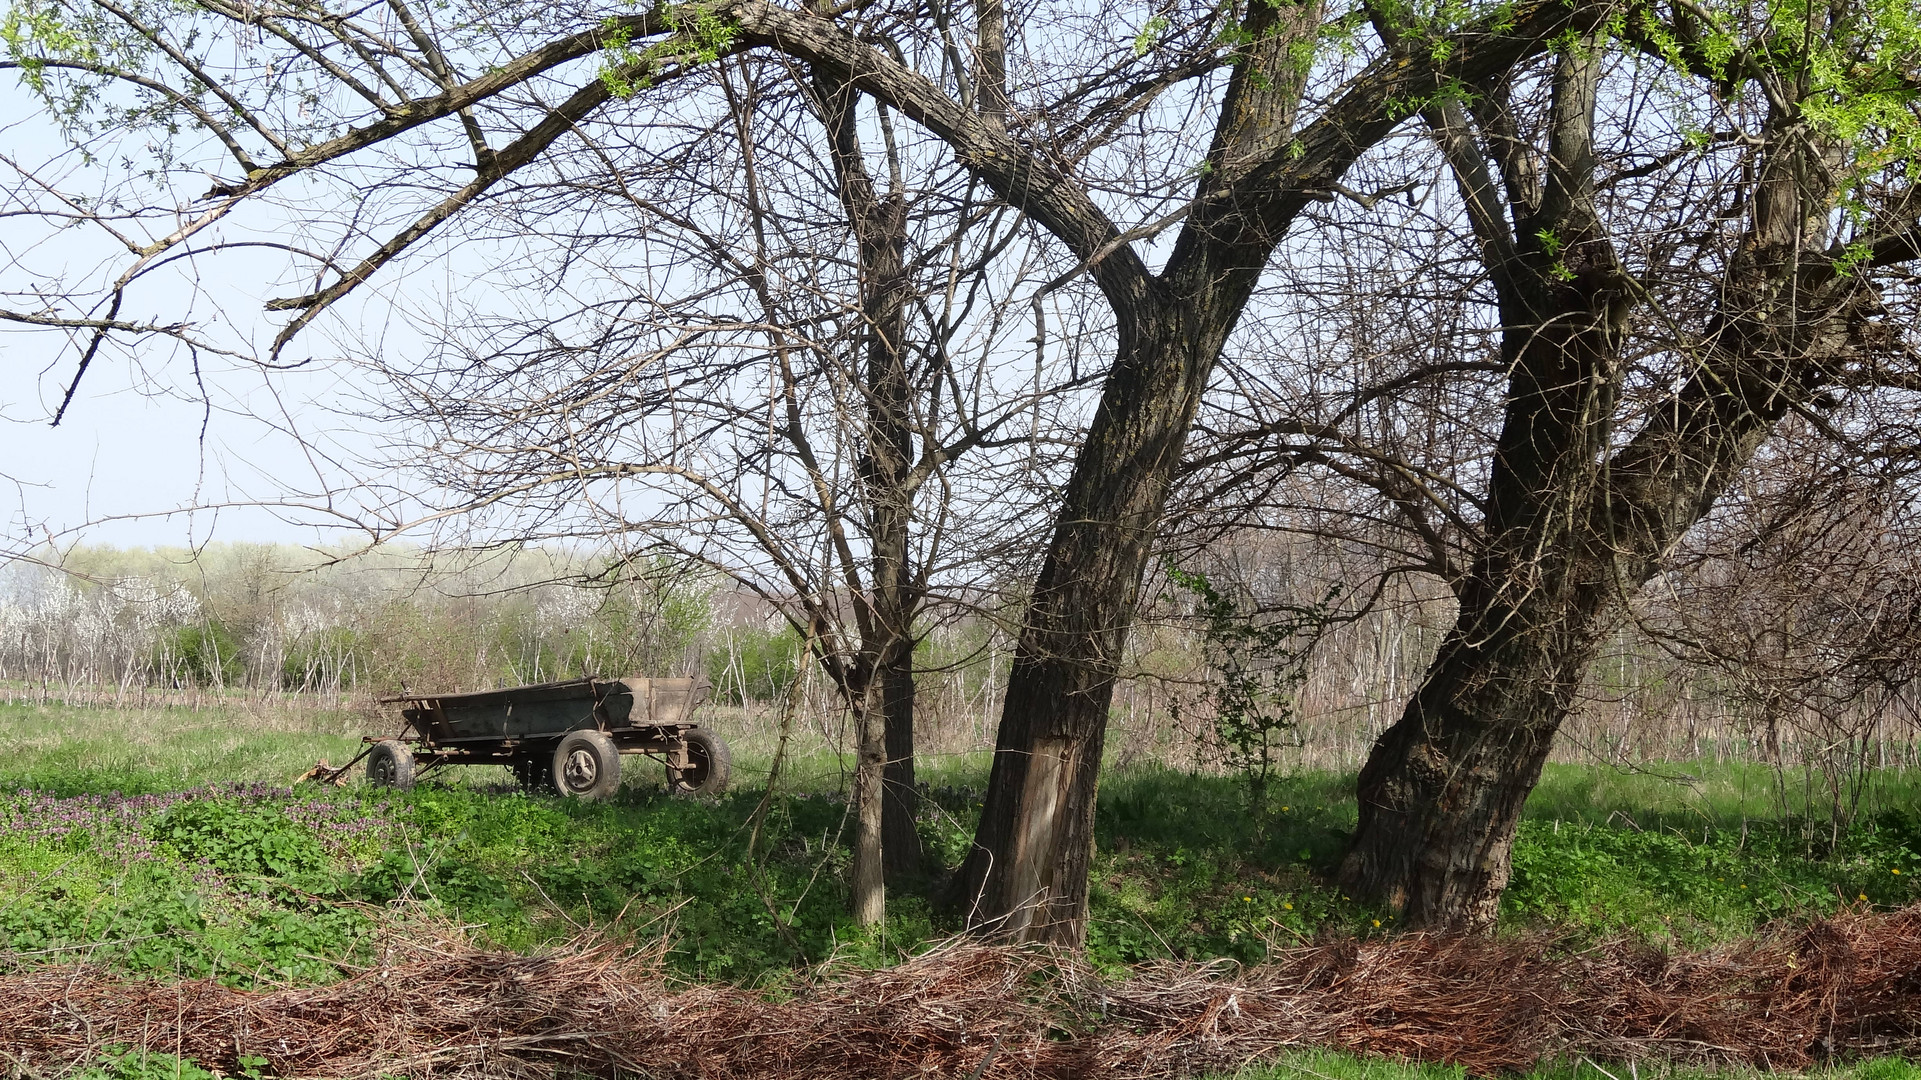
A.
pixel 582 770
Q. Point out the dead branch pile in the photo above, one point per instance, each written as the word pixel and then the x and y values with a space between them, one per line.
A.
pixel 1844 986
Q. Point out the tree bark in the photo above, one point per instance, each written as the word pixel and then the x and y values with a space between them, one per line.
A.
pixel 867 890
pixel 900 804
pixel 1025 877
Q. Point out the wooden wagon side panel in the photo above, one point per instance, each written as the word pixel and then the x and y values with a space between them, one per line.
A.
pixel 665 701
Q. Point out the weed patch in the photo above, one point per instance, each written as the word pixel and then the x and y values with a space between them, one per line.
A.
pixel 1716 884
pixel 240 883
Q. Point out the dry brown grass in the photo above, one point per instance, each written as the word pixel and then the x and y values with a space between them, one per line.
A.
pixel 1846 986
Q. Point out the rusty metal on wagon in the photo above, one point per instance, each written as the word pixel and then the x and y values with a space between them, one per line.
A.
pixel 566 737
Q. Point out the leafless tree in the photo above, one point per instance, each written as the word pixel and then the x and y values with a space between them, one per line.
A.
pixel 792 373
pixel 1797 598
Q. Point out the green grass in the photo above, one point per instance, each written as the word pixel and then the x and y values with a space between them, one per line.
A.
pixel 265 884
pixel 70 750
pixel 1688 795
pixel 1697 852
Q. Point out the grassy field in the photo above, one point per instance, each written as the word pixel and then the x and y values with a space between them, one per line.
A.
pixel 167 842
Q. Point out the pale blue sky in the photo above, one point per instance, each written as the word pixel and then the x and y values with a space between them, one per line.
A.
pixel 130 455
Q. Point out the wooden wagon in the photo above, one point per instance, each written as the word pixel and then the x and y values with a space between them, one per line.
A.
pixel 566 737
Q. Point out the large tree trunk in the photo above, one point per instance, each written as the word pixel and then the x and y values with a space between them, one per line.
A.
pixel 1574 527
pixel 1441 793
pixel 1026 876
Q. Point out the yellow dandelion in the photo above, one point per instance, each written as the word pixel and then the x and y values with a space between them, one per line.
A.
pixel 1283 809
pixel 1247 899
pixel 1744 886
pixel 1377 922
pixel 1895 870
pixel 1287 907
pixel 1861 896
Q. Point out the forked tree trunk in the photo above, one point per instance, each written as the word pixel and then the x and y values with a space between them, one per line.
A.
pixel 1575 526
pixel 1442 791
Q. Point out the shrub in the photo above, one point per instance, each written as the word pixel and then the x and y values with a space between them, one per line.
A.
pixel 753 665
pixel 201 654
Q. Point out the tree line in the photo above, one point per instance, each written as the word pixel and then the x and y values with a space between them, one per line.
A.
pixel 263 625
pixel 1558 310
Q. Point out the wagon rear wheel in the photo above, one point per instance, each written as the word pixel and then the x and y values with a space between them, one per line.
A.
pixel 586 766
pixel 390 764
pixel 709 767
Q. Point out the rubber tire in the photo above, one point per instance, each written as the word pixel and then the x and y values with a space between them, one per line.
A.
pixel 586 766
pixel 713 765
pixel 533 772
pixel 390 764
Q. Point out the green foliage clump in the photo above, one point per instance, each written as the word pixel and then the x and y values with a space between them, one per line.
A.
pixel 1259 660
pixel 753 665
pixel 700 34
pixel 243 884
pixel 205 653
pixel 532 870
pixel 238 837
pixel 136 1063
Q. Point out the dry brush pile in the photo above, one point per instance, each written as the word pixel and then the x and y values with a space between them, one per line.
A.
pixel 1846 986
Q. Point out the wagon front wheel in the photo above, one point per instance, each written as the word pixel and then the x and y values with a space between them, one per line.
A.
pixel 391 765
pixel 587 766
pixel 709 765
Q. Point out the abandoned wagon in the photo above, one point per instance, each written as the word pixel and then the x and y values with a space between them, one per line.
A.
pixel 566 737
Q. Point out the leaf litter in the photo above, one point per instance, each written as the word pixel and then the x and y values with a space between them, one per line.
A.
pixel 1841 987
